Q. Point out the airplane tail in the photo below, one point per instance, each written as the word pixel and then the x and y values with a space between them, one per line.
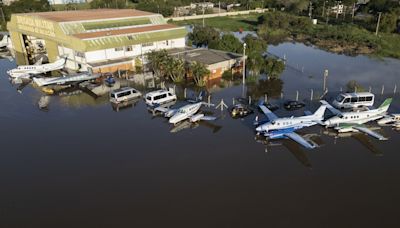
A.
pixel 385 105
pixel 320 112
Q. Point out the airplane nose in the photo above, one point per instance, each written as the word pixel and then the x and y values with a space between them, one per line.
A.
pixel 261 128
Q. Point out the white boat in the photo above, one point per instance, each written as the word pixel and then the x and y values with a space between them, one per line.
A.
pixel 65 79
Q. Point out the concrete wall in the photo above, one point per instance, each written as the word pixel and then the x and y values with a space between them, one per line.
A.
pixel 218 15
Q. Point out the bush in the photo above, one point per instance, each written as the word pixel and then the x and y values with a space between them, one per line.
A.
pixel 227 75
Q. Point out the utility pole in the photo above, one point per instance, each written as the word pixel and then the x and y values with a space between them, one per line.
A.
pixel 326 73
pixel 310 10
pixel 323 9
pixel 244 63
pixel 203 13
pixel 337 9
pixel 377 24
pixel 352 12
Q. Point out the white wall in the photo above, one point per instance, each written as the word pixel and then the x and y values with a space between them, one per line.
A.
pixel 110 54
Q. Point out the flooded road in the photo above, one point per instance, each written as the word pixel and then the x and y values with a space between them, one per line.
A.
pixel 82 164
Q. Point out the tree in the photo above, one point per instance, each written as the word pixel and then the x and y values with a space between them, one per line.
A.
pixel 119 4
pixel 138 65
pixel 199 71
pixel 26 6
pixel 255 49
pixel 158 62
pixel 389 22
pixel 228 42
pixel 203 36
pixel 176 69
pixel 274 68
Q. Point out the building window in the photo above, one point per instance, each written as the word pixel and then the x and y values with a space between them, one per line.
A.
pixel 130 37
pixel 79 54
pixel 128 48
pixel 166 42
pixel 119 49
pixel 147 44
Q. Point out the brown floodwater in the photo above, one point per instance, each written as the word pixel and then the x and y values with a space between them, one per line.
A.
pixel 83 164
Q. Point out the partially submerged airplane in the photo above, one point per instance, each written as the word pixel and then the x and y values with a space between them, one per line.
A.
pixel 280 128
pixel 354 121
pixel 27 71
pixel 185 112
pixel 65 79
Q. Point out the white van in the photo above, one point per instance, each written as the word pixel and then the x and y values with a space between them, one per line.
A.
pixel 354 100
pixel 159 97
pixel 124 94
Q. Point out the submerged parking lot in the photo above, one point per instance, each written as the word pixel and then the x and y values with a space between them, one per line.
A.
pixel 83 159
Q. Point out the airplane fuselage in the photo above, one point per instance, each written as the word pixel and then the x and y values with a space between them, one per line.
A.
pixel 360 117
pixel 287 123
pixel 185 112
pixel 26 70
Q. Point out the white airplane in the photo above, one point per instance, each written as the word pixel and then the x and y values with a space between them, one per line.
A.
pixel 185 112
pixel 280 128
pixel 27 71
pixel 353 121
pixel 4 41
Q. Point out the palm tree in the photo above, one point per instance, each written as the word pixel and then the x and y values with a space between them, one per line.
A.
pixel 199 71
pixel 176 69
pixel 159 62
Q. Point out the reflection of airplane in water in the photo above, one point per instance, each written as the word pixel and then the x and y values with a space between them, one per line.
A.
pixel 364 139
pixel 186 124
pixel 294 148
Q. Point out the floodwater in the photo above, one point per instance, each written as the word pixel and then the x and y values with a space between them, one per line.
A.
pixel 82 164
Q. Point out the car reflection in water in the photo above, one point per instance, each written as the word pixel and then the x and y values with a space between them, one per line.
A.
pixel 125 105
pixel 297 150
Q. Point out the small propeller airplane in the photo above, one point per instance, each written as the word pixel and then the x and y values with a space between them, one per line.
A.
pixel 281 128
pixel 354 121
pixel 27 71
pixel 185 112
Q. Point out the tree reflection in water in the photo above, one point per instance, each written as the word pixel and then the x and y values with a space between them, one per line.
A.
pixel 271 87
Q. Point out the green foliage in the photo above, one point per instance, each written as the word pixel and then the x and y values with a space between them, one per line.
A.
pixel 203 36
pixel 176 69
pixel 227 75
pixel 274 68
pixel 255 48
pixel 138 65
pixel 353 86
pixel 26 6
pixel 389 22
pixel 119 4
pixel 227 42
pixel 158 62
pixel 166 8
pixel 199 71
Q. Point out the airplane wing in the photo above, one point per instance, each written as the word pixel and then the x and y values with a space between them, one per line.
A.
pixel 161 109
pixel 300 140
pixel 331 108
pixel 210 118
pixel 370 132
pixel 270 115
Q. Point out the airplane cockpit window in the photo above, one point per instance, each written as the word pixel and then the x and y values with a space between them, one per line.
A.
pixel 272 122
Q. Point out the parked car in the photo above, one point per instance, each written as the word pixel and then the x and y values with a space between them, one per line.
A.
pixel 124 94
pixel 293 105
pixel 159 97
pixel 239 110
